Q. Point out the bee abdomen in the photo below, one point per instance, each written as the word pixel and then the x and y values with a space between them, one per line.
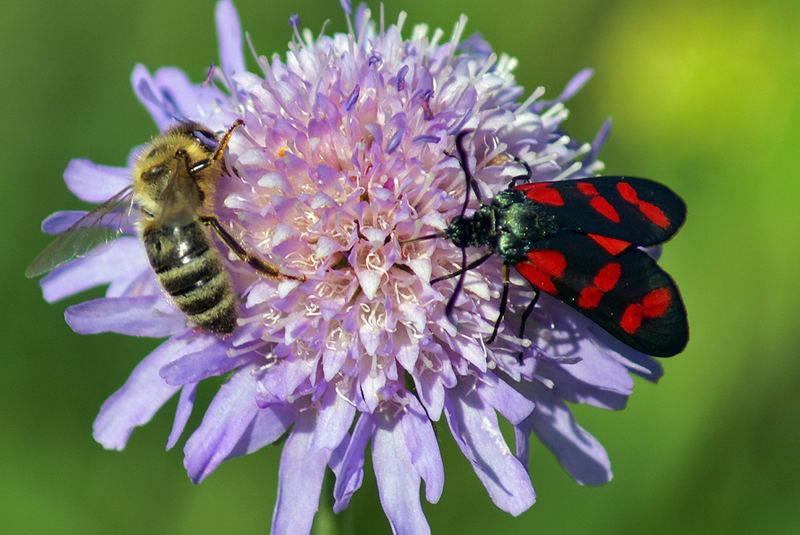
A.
pixel 191 272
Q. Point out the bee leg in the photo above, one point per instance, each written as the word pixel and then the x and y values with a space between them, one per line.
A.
pixel 241 253
pixel 223 142
pixel 528 310
pixel 503 303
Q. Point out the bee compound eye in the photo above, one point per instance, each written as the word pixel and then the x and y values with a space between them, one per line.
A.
pixel 206 138
pixel 152 173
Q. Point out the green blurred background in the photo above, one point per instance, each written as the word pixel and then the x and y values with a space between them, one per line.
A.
pixel 704 98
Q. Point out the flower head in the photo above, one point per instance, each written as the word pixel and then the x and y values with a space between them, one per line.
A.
pixel 343 158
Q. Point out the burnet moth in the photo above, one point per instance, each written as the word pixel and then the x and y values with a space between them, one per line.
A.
pixel 580 241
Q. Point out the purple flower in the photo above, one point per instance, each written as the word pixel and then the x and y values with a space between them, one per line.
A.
pixel 345 155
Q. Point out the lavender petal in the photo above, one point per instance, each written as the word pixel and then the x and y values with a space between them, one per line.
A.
pixel 303 462
pixel 96 183
pixel 474 427
pixel 134 316
pixel 229 36
pixel 210 360
pixel 497 394
pixel 182 413
pixel 139 398
pixel 351 471
pixel 581 455
pixel 421 443
pixel 398 481
pixel 148 94
pixel 226 419
pixel 268 425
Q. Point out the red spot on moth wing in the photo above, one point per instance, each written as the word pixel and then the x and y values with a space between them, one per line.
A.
pixel 631 318
pixel 587 189
pixel 627 192
pixel 608 276
pixel 549 261
pixel 541 267
pixel 612 246
pixel 654 214
pixel 601 206
pixel 542 193
pixel 649 210
pixel 598 203
pixel 589 297
pixel 653 305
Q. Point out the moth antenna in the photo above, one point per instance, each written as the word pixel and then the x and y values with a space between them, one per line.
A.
pixel 452 302
pixel 462 160
pixel 426 237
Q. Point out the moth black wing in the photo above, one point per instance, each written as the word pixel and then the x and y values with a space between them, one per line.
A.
pixel 626 294
pixel 633 210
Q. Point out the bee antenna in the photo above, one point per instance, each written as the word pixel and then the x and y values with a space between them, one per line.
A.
pixel 223 142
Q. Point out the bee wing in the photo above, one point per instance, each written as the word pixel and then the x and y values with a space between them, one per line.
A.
pixel 103 224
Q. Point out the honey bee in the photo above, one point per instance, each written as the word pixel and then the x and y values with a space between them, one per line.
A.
pixel 173 183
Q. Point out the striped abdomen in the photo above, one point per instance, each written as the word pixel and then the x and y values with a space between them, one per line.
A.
pixel 190 270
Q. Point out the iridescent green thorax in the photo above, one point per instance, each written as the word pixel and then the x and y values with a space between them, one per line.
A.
pixel 509 226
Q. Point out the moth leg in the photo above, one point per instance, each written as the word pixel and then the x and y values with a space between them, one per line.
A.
pixel 528 310
pixel 241 253
pixel 503 303
pixel 525 314
pixel 527 176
